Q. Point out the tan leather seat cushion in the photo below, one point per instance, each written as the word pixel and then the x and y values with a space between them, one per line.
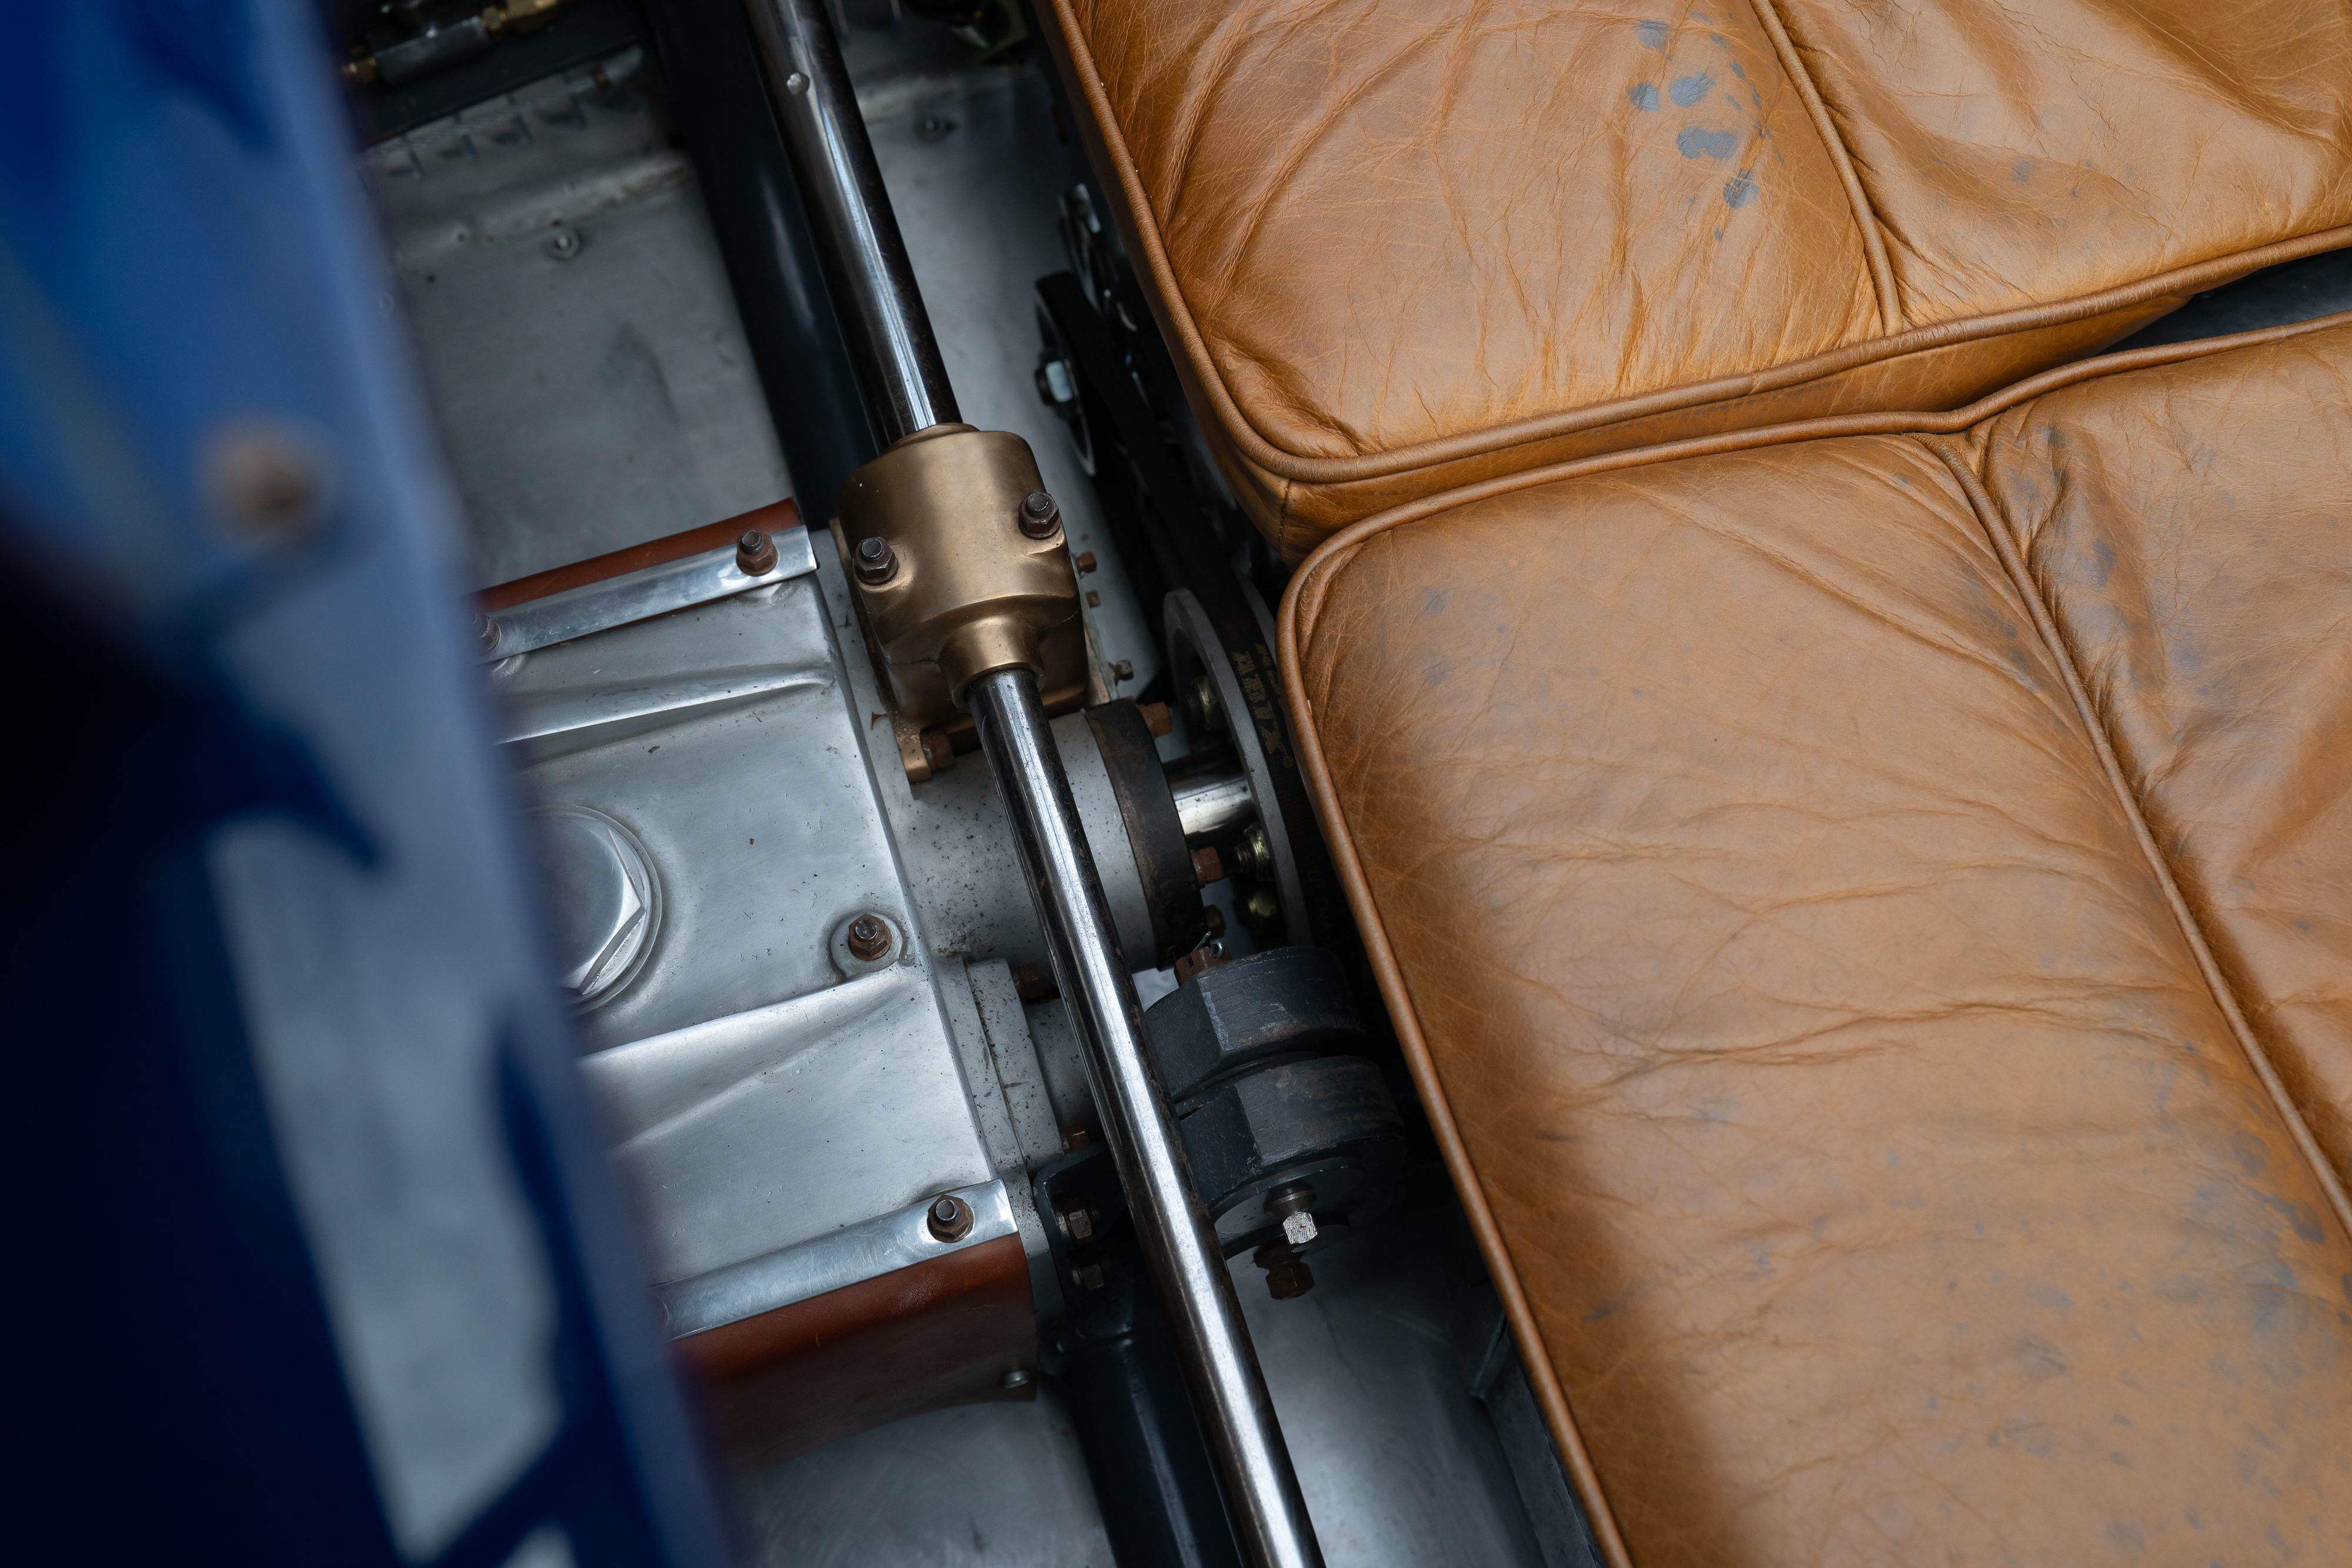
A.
pixel 1400 245
pixel 1872 918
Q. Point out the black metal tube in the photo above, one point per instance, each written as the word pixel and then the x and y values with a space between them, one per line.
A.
pixel 720 104
pixel 891 347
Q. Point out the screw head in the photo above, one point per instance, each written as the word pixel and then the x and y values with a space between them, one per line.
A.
pixel 876 561
pixel 869 938
pixel 1017 1378
pixel 796 83
pixel 755 553
pixel 949 1218
pixel 272 482
pixel 1040 515
pixel 563 245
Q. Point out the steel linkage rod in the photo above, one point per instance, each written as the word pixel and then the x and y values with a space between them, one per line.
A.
pixel 905 383
pixel 1229 1394
pixel 891 347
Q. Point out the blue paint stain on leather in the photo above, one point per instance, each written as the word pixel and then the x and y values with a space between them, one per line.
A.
pixel 1694 142
pixel 1740 189
pixel 1687 90
pixel 1653 34
pixel 1645 94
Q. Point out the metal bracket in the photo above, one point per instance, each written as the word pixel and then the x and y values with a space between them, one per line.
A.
pixel 639 596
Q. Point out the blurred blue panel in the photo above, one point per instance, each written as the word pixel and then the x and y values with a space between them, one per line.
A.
pixel 318 1258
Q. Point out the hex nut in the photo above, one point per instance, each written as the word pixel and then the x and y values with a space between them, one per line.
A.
pixel 1040 515
pixel 755 553
pixel 1084 562
pixel 948 1219
pixel 876 561
pixel 1287 1277
pixel 1206 865
pixel 869 938
pixel 1078 1224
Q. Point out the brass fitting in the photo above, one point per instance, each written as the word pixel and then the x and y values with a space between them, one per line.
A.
pixel 962 582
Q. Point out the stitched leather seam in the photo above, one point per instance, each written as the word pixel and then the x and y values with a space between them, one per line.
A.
pixel 1068 44
pixel 1874 240
pixel 1328 555
pixel 2012 560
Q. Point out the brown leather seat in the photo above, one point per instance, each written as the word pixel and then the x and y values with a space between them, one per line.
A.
pixel 1402 246
pixel 1871 916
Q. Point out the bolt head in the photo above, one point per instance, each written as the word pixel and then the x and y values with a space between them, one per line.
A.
pixel 1017 1378
pixel 876 561
pixel 796 83
pixel 1261 909
pixel 755 553
pixel 272 482
pixel 1298 1228
pixel 1040 515
pixel 868 939
pixel 949 1218
pixel 1085 561
pixel 487 633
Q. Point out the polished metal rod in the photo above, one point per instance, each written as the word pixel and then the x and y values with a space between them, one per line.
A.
pixel 891 348
pixel 1262 1495
pixel 904 384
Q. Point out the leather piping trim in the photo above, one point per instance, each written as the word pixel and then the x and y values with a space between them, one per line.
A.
pixel 2014 561
pixel 1874 240
pixel 1300 606
pixel 1177 315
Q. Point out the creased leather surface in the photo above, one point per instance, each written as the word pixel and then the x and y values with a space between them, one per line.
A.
pixel 2015 153
pixel 2193 538
pixel 1400 245
pixel 1853 1120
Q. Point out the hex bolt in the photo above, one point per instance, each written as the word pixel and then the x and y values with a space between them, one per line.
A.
pixel 1088 1277
pixel 1206 867
pixel 1293 1203
pixel 876 562
pixel 796 84
pixel 1261 909
pixel 948 1219
pixel 1077 1224
pixel 1085 561
pixel 1040 515
pixel 755 553
pixel 869 938
pixel 1287 1276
